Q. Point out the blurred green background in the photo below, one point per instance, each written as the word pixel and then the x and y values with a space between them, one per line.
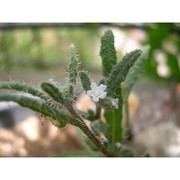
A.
pixel 29 46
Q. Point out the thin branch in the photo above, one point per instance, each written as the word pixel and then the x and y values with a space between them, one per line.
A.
pixel 81 124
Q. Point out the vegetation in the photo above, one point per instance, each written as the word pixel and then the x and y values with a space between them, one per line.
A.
pixel 57 102
pixel 37 46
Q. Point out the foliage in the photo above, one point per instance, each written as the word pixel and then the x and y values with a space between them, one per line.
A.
pixel 57 102
pixel 39 48
pixel 164 39
pixel 108 53
pixel 134 73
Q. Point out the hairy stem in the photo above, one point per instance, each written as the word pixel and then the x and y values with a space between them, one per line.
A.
pixel 81 124
pixel 93 138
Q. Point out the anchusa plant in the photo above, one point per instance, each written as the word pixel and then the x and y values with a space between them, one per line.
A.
pixel 105 133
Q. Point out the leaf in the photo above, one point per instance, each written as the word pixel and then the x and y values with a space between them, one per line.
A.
pixel 134 73
pixel 120 70
pixel 127 152
pixel 107 52
pixel 146 154
pixel 157 35
pixel 98 127
pixel 39 106
pixel 53 91
pixel 23 88
pixel 88 147
pixel 173 64
pixel 89 115
pixel 119 150
pixel 85 80
pixel 73 65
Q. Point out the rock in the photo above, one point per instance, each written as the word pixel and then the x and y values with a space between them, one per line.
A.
pixel 30 128
pixel 162 139
pixel 25 135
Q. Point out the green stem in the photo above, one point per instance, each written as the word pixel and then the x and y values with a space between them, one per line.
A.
pixel 93 138
pixel 81 124
pixel 126 114
pixel 118 117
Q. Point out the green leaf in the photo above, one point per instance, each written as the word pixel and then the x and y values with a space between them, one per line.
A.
pixel 157 35
pixel 23 88
pixel 106 103
pixel 173 64
pixel 107 52
pixel 146 154
pixel 127 152
pixel 98 127
pixel 120 70
pixel 134 73
pixel 40 106
pixel 90 115
pixel 119 150
pixel 85 80
pixel 53 91
pixel 68 93
pixel 73 65
pixel 88 147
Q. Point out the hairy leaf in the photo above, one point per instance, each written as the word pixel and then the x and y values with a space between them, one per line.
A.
pixel 90 115
pixel 39 106
pixel 73 65
pixel 85 80
pixel 98 127
pixel 146 154
pixel 119 150
pixel 127 152
pixel 134 73
pixel 24 88
pixel 53 91
pixel 107 52
pixel 68 93
pixel 120 70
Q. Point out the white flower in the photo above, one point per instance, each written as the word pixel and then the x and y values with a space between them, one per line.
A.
pixel 115 103
pixel 97 92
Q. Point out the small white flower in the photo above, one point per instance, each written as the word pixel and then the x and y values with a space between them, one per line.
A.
pixel 97 92
pixel 115 103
